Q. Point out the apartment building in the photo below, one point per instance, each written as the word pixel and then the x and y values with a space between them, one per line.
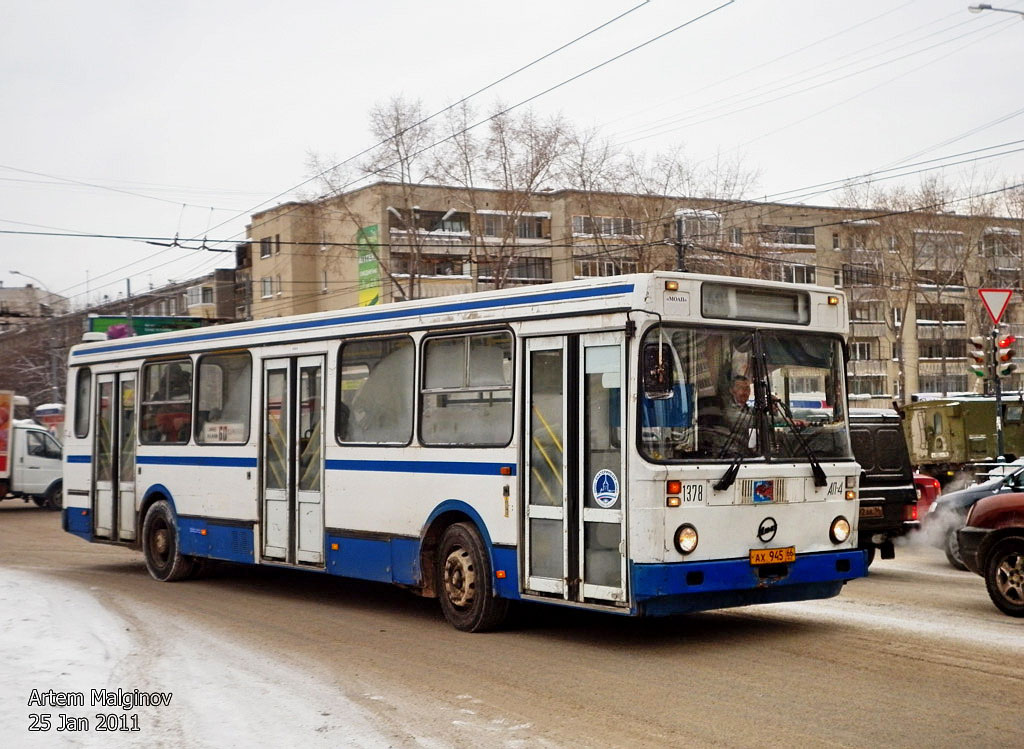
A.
pixel 912 278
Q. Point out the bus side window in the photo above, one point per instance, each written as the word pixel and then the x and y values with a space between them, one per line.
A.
pixel 166 408
pixel 224 392
pixel 83 386
pixel 375 391
pixel 467 390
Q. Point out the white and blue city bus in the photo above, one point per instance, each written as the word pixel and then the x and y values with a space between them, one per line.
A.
pixel 624 444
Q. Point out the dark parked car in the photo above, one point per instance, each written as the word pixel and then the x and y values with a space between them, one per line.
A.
pixel 992 545
pixel 888 497
pixel 948 513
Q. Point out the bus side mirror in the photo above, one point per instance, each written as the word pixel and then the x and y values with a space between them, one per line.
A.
pixel 658 371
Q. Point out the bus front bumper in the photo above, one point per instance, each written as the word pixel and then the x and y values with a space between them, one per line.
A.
pixel 679 588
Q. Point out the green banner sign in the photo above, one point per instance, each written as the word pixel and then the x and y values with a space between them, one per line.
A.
pixel 369 268
pixel 117 326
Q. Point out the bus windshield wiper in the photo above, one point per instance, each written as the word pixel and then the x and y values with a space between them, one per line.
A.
pixel 777 406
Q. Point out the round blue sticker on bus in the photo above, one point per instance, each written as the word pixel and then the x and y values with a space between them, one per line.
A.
pixel 605 488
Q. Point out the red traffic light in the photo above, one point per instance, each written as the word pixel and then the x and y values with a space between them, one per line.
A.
pixel 1007 341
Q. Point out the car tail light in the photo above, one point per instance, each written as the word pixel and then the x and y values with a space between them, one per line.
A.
pixel 910 512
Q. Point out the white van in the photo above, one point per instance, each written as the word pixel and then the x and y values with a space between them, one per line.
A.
pixel 35 467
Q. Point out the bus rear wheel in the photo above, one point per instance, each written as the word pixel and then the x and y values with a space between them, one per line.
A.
pixel 160 546
pixel 464 581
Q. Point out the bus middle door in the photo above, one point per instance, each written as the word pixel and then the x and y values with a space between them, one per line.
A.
pixel 293 460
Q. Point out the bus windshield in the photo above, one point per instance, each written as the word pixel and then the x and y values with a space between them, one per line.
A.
pixel 712 409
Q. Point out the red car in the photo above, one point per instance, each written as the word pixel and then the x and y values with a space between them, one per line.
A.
pixel 992 545
pixel 928 489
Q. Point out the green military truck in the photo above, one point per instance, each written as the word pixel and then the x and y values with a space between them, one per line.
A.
pixel 946 435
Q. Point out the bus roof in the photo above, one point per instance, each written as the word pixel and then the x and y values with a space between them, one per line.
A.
pixel 639 292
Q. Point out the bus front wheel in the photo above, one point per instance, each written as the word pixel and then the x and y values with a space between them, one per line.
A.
pixel 464 581
pixel 164 559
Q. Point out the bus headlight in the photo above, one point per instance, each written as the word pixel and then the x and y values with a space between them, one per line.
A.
pixel 686 538
pixel 840 530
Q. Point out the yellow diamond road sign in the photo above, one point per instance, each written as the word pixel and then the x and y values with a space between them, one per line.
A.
pixel 995 301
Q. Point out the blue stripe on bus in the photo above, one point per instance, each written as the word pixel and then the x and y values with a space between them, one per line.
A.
pixel 78 458
pixel 458 468
pixel 196 460
pixel 479 304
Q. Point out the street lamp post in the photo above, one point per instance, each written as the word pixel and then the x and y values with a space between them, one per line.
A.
pixel 985 6
pixel 54 390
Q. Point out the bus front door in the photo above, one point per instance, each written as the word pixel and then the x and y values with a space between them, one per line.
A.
pixel 114 515
pixel 575 469
pixel 292 460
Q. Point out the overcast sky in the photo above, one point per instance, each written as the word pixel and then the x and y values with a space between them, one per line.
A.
pixel 138 118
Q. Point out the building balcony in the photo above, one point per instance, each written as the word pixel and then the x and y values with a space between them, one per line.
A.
pixel 868 329
pixel 866 367
pixel 954 366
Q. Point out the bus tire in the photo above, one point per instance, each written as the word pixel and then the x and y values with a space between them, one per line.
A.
pixel 160 546
pixel 464 582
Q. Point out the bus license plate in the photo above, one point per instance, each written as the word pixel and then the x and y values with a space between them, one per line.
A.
pixel 773 556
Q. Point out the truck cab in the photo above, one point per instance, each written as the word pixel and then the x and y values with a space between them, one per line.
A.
pixel 35 466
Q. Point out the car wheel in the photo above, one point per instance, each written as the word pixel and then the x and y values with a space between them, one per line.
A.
pixel 54 497
pixel 464 582
pixel 160 546
pixel 952 549
pixel 1004 576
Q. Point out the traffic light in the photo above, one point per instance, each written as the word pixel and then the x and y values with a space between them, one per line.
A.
pixel 1004 356
pixel 979 355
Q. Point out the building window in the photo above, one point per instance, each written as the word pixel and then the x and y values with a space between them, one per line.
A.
pixel 954 348
pixel 604 226
pixel 860 350
pixel 867 386
pixel 196 295
pixel 277 244
pixel 526 227
pixel 700 227
pixel 266 247
pixel 467 390
pixel 266 287
pixel 795 273
pixel 736 235
pixel 789 235
pixel 589 268
pixel 927 312
pixel 323 287
pixel 835 240
pixel 951 383
pixel 166 408
pixel 940 277
pixel 526 269
pixel 857 275
pixel 375 391
pixel 280 286
pixel 224 392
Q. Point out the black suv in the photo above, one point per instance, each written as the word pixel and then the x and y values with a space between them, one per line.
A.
pixel 888 498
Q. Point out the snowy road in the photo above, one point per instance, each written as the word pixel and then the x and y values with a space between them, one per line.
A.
pixel 915 655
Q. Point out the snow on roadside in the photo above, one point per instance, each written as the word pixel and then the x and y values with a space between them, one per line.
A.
pixel 54 636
